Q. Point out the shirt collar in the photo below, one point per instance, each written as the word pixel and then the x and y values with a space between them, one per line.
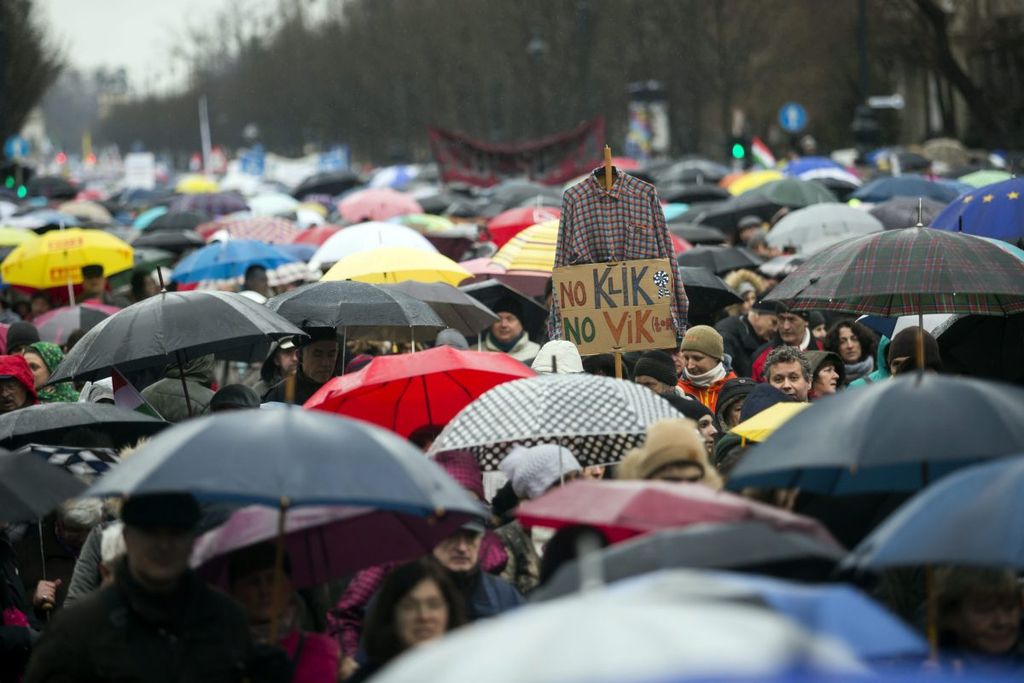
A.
pixel 595 182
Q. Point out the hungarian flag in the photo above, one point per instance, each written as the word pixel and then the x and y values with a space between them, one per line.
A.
pixel 127 396
pixel 762 154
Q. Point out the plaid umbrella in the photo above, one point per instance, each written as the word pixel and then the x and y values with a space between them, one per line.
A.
pixel 909 271
pixel 87 462
pixel 269 229
pixel 211 203
pixel 597 418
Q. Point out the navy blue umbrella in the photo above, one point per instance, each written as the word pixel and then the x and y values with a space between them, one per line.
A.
pixel 887 187
pixel 995 210
pixel 893 436
pixel 972 517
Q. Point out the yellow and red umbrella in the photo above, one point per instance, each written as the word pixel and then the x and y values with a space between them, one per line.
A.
pixel 532 249
pixel 57 257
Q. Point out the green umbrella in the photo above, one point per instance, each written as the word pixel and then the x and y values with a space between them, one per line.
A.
pixel 794 193
pixel 984 177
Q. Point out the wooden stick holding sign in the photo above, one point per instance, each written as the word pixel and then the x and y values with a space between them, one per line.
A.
pixel 608 168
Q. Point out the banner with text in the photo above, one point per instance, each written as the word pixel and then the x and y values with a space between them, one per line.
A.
pixel 623 306
pixel 553 160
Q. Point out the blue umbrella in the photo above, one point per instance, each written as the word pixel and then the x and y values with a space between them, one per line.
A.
pixel 299 251
pixel 883 189
pixel 675 210
pixel 972 517
pixel 143 220
pixel 797 167
pixel 224 260
pixel 893 436
pixel 992 211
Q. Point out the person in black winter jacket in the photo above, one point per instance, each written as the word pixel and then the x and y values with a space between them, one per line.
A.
pixel 744 334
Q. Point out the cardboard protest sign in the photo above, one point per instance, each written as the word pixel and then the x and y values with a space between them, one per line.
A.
pixel 623 306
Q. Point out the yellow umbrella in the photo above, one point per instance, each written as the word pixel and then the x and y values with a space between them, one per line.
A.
pixel 196 184
pixel 532 249
pixel 762 425
pixel 12 237
pixel 397 264
pixel 56 258
pixel 753 180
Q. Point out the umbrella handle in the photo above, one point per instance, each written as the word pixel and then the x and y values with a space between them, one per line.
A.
pixel 184 384
pixel 933 612
pixel 276 603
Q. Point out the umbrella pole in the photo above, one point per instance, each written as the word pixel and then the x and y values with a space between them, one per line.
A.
pixel 344 349
pixel 71 288
pixel 919 351
pixel 184 384
pixel 618 363
pixel 933 611
pixel 276 606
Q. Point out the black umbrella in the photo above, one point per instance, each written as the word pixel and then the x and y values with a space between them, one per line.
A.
pixel 991 347
pixel 31 488
pixel 903 212
pixel 178 221
pixel 491 292
pixel 692 171
pixel 691 194
pixel 76 424
pixel 173 328
pixel 459 310
pixel 328 182
pixel 842 189
pixel 697 234
pixel 720 259
pixel 359 310
pixel 511 193
pixel 52 187
pixel 169 240
pixel 753 547
pixel 893 436
pixel 438 202
pixel 706 292
pixel 726 215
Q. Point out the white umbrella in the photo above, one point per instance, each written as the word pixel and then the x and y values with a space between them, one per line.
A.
pixel 815 227
pixel 367 236
pixel 611 635
pixel 272 204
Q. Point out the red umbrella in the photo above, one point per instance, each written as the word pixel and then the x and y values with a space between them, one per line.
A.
pixel 624 509
pixel 508 224
pixel 315 236
pixel 377 204
pixel 404 393
pixel 679 245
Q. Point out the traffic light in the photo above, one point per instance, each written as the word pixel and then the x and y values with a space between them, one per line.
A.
pixel 15 177
pixel 739 151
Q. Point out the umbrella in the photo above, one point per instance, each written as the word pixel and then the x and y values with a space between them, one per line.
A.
pixel 273 204
pixel 213 204
pixel 12 237
pixel 173 241
pixel 794 193
pixel 87 211
pixel 78 460
pixel 604 635
pixel 376 204
pixel 992 211
pixel 697 234
pixel 298 251
pixel 882 189
pixel 360 310
pixel 457 309
pixel 324 543
pixel 597 418
pixel 146 218
pixel 719 259
pixel 72 423
pixel 984 346
pixel 890 327
pixel 223 260
pixel 691 194
pixel 428 388
pixel 815 227
pixel 366 237
pixel 900 272
pixel 196 183
pixel 267 229
pixel 727 214
pixel 329 183
pixel 30 488
pixel 752 180
pixel 513 192
pixel 508 224
pixel 175 327
pixel 315 236
pixel 707 292
pixel 753 546
pixel 624 509
pixel 396 264
pixel 984 177
pixel 674 211
pixel 57 257
pixel 693 171
pixel 971 517
pixel 876 444
pixel 781 266
pixel 532 249
pixel 56 324
pixel 903 212
pixel 490 293
pixel 794 168
pixel 178 221
pixel 427 223
pixel 52 187
pixel 764 424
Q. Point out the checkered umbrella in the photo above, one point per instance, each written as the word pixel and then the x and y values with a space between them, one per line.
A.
pixel 910 271
pixel 597 418
pixel 210 203
pixel 87 462
pixel 269 229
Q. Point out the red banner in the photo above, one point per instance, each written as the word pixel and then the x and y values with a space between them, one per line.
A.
pixel 553 160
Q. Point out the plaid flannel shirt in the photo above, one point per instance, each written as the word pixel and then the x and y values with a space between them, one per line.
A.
pixel 624 223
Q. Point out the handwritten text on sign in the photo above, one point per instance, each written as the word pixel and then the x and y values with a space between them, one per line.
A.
pixel 622 306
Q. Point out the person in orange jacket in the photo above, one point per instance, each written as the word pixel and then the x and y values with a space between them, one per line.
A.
pixel 704 373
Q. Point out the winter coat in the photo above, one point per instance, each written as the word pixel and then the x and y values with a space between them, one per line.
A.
pixel 741 343
pixel 60 560
pixel 126 633
pixel 708 396
pixel 16 621
pixel 523 351
pixel 523 568
pixel 762 355
pixel 85 579
pixel 881 366
pixel 304 389
pixel 168 397
pixel 313 656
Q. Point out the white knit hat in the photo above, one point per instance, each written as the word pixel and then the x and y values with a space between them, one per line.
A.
pixel 534 470
pixel 558 356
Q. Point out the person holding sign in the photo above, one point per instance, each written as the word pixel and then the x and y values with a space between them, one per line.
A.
pixel 704 373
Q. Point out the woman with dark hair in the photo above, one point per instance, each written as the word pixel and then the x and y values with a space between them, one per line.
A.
pixel 856 345
pixel 417 603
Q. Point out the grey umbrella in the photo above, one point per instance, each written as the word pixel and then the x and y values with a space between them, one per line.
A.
pixel 359 310
pixel 30 487
pixel 459 310
pixel 753 547
pixel 76 424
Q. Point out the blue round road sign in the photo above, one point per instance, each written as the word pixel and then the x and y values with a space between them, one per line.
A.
pixel 16 147
pixel 792 117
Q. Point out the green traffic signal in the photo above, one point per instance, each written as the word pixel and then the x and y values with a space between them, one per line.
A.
pixel 738 150
pixel 9 182
pixel 22 191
